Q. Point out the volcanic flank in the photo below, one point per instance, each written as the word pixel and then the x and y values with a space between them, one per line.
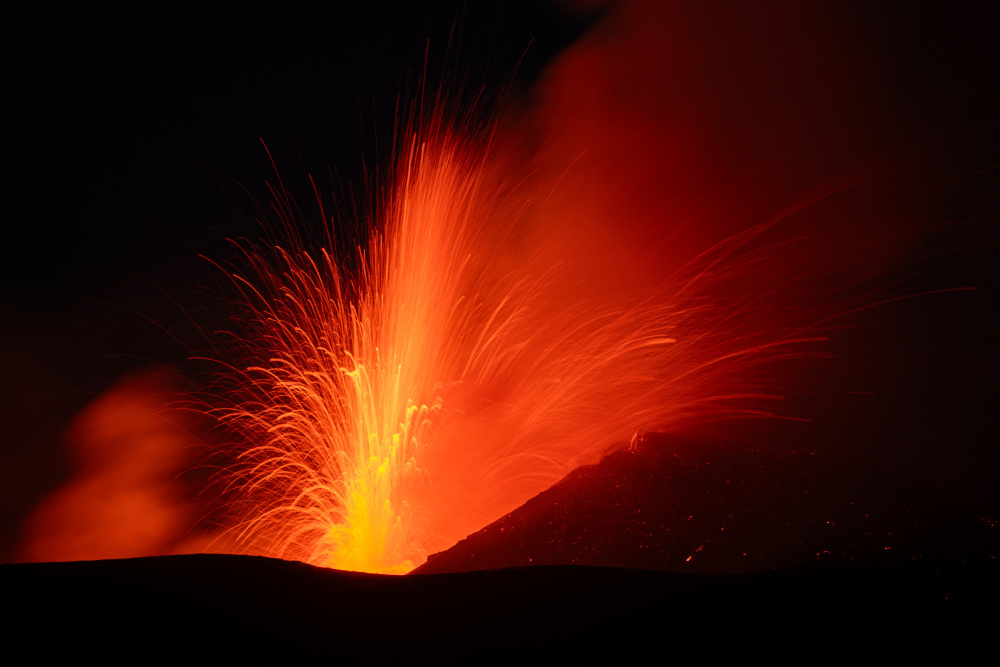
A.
pixel 670 504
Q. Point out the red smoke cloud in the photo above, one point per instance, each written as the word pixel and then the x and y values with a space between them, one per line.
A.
pixel 122 500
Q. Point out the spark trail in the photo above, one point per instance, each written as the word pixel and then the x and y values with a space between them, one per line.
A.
pixel 394 408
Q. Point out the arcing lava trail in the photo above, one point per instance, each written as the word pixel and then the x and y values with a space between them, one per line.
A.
pixel 391 410
pixel 676 223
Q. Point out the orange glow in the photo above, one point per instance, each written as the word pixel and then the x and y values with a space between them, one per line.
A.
pixel 121 502
pixel 666 238
pixel 460 370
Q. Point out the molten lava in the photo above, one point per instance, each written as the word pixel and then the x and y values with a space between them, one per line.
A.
pixel 637 260
pixel 396 408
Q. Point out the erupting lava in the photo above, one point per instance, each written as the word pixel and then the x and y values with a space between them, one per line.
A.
pixel 664 228
pixel 395 408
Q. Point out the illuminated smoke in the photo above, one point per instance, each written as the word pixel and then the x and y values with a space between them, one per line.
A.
pixel 392 411
pixel 665 241
pixel 121 501
pixel 510 318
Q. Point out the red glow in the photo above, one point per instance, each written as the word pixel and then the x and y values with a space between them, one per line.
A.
pixel 121 501
pixel 391 412
pixel 511 317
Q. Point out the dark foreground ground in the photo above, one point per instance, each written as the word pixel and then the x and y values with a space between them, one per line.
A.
pixel 262 610
pixel 693 553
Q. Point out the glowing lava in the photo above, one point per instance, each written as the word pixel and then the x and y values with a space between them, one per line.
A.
pixel 356 368
pixel 395 408
pixel 653 240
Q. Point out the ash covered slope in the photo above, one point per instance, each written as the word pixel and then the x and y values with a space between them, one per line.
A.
pixel 668 504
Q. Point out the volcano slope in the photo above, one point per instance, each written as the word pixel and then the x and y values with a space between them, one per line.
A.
pixel 677 505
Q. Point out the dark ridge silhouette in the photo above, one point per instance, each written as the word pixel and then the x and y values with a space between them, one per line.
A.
pixel 791 555
pixel 262 610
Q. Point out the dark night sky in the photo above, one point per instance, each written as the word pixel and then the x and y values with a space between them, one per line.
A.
pixel 129 126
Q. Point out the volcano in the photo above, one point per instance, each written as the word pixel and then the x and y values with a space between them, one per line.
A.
pixel 843 155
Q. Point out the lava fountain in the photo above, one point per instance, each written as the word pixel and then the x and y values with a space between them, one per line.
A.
pixel 401 395
pixel 659 242
pixel 513 310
